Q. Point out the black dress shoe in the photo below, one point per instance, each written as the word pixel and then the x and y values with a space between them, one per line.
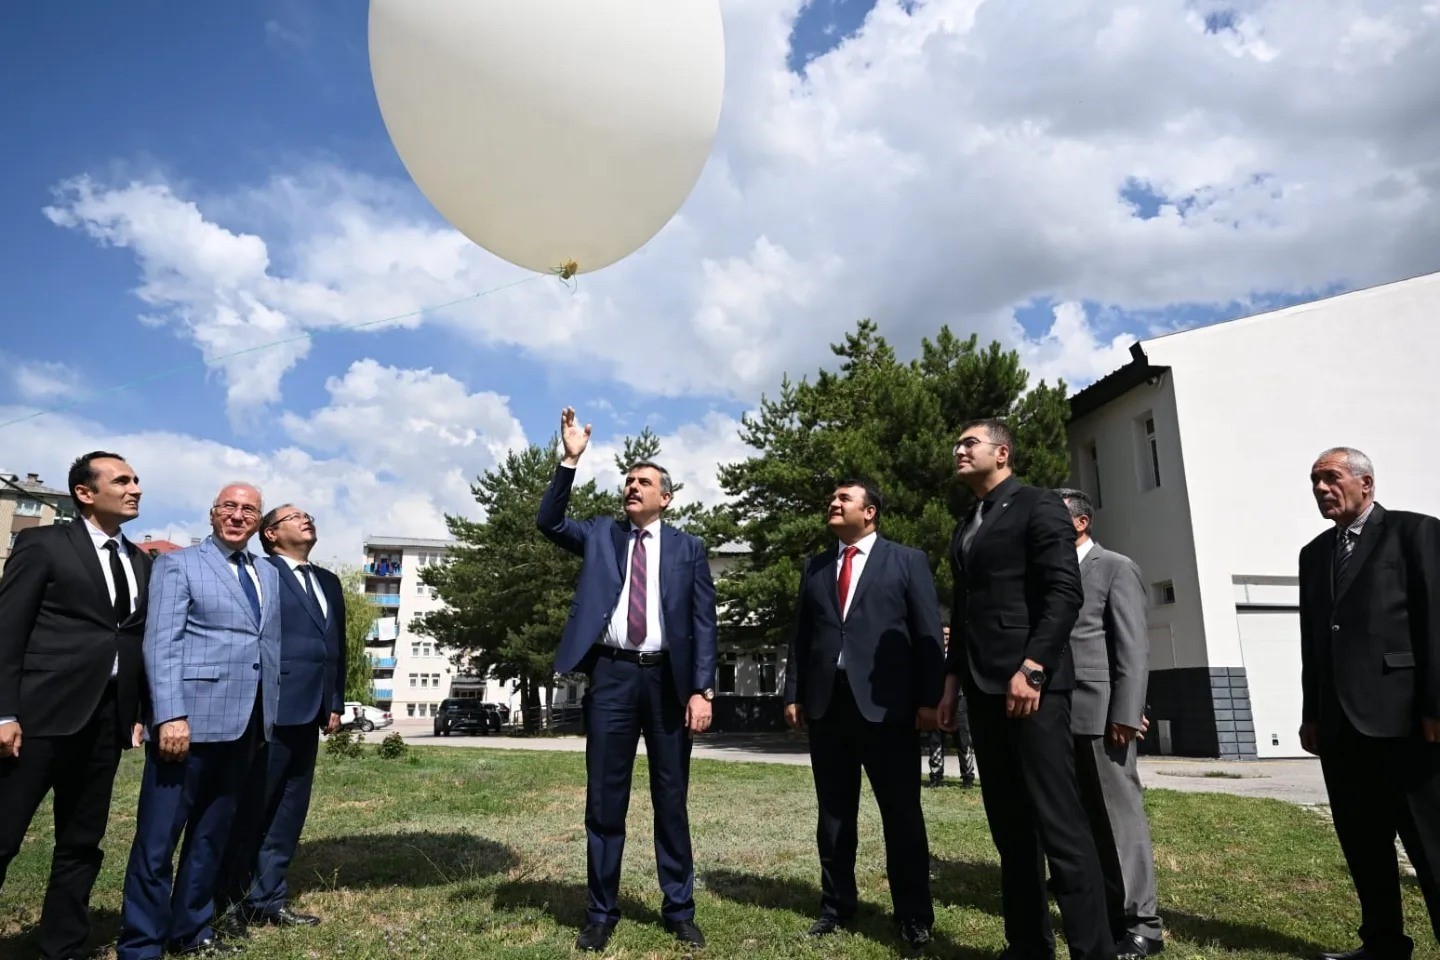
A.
pixel 1361 953
pixel 827 924
pixel 915 934
pixel 209 947
pixel 686 932
pixel 594 937
pixel 284 917
pixel 1132 946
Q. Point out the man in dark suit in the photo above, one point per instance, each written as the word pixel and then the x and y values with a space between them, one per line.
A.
pixel 642 627
pixel 1017 594
pixel 1370 674
pixel 312 697
pixel 1111 650
pixel 212 662
pixel 72 613
pixel 964 749
pixel 864 671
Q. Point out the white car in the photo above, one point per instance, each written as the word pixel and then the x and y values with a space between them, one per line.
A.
pixel 364 717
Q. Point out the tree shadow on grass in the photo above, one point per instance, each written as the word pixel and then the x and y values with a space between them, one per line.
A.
pixel 25 944
pixel 564 901
pixel 783 893
pixel 966 883
pixel 1236 936
pixel 418 859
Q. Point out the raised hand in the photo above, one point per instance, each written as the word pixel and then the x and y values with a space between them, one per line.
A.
pixel 573 437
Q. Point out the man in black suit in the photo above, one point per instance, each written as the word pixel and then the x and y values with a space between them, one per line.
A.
pixel 642 627
pixel 72 615
pixel 1017 594
pixel 312 697
pixel 864 670
pixel 1370 673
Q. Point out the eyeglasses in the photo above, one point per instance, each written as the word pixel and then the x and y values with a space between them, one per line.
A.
pixel 293 516
pixel 970 443
pixel 244 509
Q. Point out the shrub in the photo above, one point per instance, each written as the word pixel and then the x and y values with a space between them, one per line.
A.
pixel 345 744
pixel 393 747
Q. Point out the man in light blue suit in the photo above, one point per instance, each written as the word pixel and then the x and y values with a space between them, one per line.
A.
pixel 212 660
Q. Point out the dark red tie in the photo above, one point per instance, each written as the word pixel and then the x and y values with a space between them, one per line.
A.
pixel 844 585
pixel 636 624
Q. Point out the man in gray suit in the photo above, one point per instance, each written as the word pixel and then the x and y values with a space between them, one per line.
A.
pixel 1112 669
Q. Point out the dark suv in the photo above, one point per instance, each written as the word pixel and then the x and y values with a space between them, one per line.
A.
pixel 466 716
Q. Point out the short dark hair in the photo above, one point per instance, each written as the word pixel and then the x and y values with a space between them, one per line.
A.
pixel 82 473
pixel 266 522
pixel 666 486
pixel 1078 501
pixel 872 493
pixel 999 431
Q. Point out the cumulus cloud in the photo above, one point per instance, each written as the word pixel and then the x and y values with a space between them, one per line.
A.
pixel 45 381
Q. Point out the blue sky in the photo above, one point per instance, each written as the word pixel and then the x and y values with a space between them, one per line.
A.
pixel 1048 179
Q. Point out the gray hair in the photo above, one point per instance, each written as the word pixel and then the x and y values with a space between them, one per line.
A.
pixel 1359 464
pixel 1078 501
pixel 666 486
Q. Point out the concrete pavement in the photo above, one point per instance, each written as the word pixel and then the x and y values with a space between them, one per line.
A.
pixel 1295 781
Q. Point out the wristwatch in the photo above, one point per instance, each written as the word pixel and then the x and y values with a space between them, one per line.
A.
pixel 1036 678
pixel 708 693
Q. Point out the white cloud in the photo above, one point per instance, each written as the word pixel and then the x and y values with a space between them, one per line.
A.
pixel 44 381
pixel 1071 349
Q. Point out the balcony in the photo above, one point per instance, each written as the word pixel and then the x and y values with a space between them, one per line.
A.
pixel 382 570
pixel 382 693
pixel 384 599
pixel 382 663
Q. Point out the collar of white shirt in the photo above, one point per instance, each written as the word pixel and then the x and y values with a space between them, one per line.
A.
pixel 865 544
pixel 100 537
pixel 652 528
pixel 1083 550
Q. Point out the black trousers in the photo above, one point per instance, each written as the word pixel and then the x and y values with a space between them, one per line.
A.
pixel 842 743
pixel 80 769
pixel 1032 801
pixel 1380 787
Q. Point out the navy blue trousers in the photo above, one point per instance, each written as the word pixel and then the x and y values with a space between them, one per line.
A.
pixel 197 796
pixel 268 826
pixel 624 702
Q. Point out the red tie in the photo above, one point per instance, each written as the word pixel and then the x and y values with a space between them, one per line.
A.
pixel 845 577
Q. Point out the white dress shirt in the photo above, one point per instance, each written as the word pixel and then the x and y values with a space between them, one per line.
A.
pixel 295 566
pixel 1083 550
pixel 616 633
pixel 99 538
pixel 863 547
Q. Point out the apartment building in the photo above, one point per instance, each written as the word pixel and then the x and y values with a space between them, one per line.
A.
pixel 28 503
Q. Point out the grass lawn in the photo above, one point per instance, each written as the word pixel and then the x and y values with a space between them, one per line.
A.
pixel 480 853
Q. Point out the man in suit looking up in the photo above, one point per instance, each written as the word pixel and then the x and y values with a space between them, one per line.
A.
pixel 212 660
pixel 72 613
pixel 1112 669
pixel 1017 594
pixel 642 627
pixel 1370 676
pixel 865 668
pixel 312 697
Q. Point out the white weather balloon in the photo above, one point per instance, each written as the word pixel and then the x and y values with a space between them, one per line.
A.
pixel 551 132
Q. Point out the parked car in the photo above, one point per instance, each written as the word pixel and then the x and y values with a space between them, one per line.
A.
pixel 501 709
pixel 466 716
pixel 364 717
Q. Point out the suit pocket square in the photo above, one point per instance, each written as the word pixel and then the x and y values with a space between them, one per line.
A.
pixel 208 672
pixel 1398 660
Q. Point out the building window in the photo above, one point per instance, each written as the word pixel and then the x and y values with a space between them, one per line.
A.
pixel 765 664
pixel 414 649
pixel 725 672
pixel 412 680
pixel 1095 475
pixel 1164 592
pixel 28 508
pixel 409 709
pixel 419 588
pixel 433 708
pixel 1149 453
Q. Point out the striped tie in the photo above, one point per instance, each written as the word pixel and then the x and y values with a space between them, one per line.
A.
pixel 636 625
pixel 1344 546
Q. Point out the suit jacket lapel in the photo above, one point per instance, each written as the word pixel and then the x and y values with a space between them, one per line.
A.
pixel 219 559
pixel 829 579
pixel 288 581
pixel 995 513
pixel 1092 560
pixel 1369 534
pixel 879 554
pixel 90 560
pixel 669 551
pixel 140 564
pixel 621 534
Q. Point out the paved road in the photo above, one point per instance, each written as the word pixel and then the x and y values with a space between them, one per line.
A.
pixel 1297 781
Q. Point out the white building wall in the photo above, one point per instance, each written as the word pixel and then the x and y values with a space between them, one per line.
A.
pixel 1258 398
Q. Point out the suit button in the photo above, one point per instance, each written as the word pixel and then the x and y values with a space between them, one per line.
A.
pixel 254 666
pixel 1334 628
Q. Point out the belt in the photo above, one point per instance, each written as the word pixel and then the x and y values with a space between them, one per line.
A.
pixel 644 658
